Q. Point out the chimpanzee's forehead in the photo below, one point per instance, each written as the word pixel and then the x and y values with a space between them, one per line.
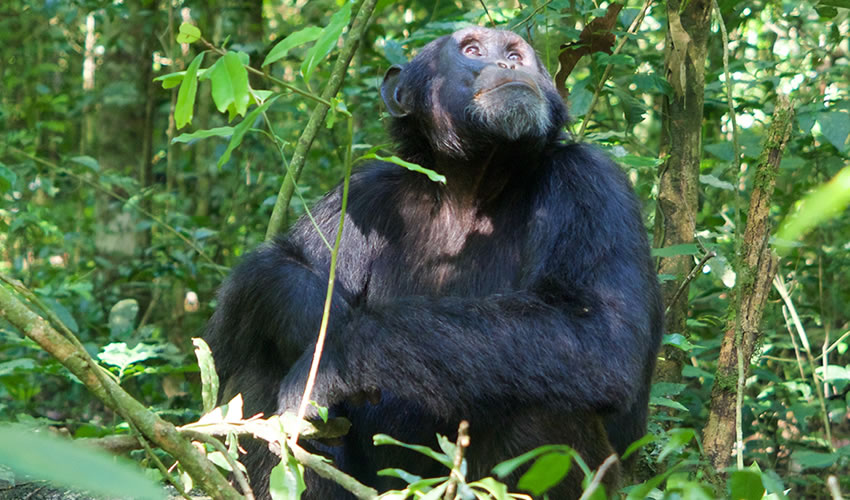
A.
pixel 501 37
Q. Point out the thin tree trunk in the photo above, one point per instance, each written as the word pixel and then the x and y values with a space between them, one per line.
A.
pixel 682 112
pixel 755 271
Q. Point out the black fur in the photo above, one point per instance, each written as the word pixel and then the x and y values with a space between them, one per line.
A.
pixel 520 295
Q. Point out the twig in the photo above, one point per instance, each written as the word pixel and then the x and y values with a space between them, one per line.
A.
pixel 690 277
pixel 834 490
pixel 486 11
pixel 456 477
pixel 323 329
pixel 783 292
pixel 597 478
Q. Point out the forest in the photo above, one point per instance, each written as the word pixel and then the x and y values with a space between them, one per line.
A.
pixel 148 146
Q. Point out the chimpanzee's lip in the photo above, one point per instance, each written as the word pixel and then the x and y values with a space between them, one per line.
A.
pixel 508 82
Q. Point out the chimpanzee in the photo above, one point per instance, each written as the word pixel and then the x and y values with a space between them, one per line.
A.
pixel 519 295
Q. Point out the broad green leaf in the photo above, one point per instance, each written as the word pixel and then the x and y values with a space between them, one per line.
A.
pixel 326 41
pixel 188 33
pixel 203 134
pixel 240 130
pixel 745 485
pixel 287 480
pixel 671 251
pixel 833 372
pixel 723 150
pixel 72 465
pixel 230 89
pixel 209 377
pixel 820 205
pixel 434 176
pixel 295 39
pixel 122 317
pixel 579 101
pixel 835 126
pixel 184 110
pixel 715 182
pixel 7 178
pixel 814 460
pixel 87 161
pixel 508 466
pixel 383 439
pixel 546 472
pixel 119 355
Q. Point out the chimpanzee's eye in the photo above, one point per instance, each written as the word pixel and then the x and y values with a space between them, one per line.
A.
pixel 472 50
pixel 515 56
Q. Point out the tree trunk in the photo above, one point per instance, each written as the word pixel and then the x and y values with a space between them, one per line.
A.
pixel 755 270
pixel 675 217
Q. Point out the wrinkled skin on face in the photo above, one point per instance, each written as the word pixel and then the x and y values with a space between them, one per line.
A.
pixel 472 89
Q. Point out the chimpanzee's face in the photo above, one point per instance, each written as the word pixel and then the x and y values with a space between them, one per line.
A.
pixel 474 87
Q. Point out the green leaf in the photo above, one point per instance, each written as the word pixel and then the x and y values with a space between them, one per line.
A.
pixel 639 161
pixel 640 443
pixel 546 472
pixel 184 110
pixel 240 130
pixel 508 466
pixel 579 101
pixel 204 134
pixel 723 150
pixel 671 251
pixel 295 39
pixel 814 460
pixel 434 176
pixel 825 202
pixel 667 402
pixel 678 340
pixel 383 439
pixel 496 489
pixel 401 474
pixel 188 33
pixel 326 41
pixel 287 480
pixel 678 439
pixel 7 178
pixel 835 126
pixel 833 372
pixel 117 354
pixel 745 485
pixel 230 89
pixel 71 465
pixel 170 80
pixel 88 162
pixel 715 182
pixel 122 317
pixel 209 377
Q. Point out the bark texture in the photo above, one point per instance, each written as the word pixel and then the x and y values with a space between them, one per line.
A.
pixel 755 271
pixel 681 146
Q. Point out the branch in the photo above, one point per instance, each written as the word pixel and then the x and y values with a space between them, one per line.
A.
pixel 352 40
pixel 78 362
pixel 456 476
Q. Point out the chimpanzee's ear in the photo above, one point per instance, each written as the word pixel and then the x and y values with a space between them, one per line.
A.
pixel 391 92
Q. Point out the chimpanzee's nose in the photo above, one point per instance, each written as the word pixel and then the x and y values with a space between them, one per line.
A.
pixel 505 65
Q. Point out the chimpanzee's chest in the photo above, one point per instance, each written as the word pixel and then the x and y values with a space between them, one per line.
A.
pixel 454 252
